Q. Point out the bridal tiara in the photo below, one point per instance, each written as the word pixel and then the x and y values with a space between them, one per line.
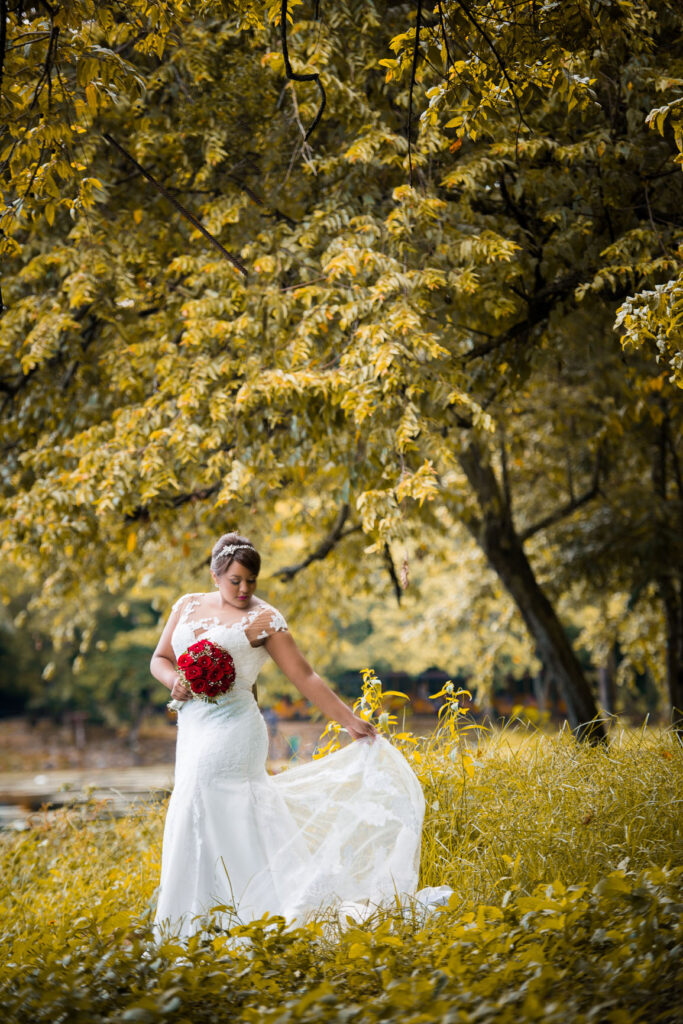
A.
pixel 229 549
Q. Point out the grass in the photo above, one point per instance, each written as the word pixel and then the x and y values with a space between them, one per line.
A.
pixel 565 860
pixel 549 809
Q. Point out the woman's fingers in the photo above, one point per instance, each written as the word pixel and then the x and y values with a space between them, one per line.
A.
pixel 359 729
pixel 180 691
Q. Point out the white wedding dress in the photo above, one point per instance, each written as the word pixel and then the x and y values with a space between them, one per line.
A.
pixel 345 829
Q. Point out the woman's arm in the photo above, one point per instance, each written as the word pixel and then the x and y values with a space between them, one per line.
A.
pixel 288 657
pixel 163 664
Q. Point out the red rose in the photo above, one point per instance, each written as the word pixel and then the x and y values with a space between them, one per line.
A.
pixel 208 669
pixel 201 647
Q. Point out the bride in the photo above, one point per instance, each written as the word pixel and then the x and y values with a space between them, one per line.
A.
pixel 342 829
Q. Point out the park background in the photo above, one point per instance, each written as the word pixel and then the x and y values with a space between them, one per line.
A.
pixel 396 290
pixel 422 349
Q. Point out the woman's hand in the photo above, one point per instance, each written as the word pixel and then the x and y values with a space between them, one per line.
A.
pixel 179 691
pixel 358 727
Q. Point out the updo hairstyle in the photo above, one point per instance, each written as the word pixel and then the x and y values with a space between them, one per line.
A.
pixel 244 552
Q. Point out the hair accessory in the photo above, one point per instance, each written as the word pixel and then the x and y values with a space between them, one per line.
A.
pixel 229 549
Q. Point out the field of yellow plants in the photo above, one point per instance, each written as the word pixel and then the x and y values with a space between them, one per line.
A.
pixel 565 861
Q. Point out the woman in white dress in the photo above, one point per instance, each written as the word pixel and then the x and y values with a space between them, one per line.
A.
pixel 343 829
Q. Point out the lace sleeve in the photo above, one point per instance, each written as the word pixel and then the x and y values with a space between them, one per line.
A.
pixel 266 621
pixel 184 604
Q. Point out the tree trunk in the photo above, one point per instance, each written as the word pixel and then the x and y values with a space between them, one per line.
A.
pixel 670 582
pixel 672 597
pixel 541 685
pixel 496 535
pixel 606 682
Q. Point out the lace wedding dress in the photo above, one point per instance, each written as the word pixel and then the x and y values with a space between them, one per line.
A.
pixel 342 829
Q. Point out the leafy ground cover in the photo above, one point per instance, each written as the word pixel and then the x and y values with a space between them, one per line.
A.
pixel 565 861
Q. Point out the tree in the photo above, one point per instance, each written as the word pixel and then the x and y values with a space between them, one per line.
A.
pixel 430 274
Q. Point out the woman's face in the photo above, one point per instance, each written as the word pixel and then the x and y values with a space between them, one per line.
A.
pixel 236 586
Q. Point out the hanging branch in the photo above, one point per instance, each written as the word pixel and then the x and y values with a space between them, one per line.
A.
pixel 179 207
pixel 416 54
pixel 46 75
pixel 449 59
pixel 3 47
pixel 391 569
pixel 470 17
pixel 274 212
pixel 337 533
pixel 296 76
pixel 3 39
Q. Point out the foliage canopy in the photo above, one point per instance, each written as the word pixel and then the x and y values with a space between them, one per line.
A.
pixel 426 335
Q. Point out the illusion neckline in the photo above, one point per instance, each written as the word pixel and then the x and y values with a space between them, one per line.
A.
pixel 214 620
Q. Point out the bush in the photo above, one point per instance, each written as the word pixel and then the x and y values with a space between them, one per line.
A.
pixel 565 863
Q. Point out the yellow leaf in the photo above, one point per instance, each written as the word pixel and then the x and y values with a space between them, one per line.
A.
pixel 91 97
pixel 137 216
pixel 131 542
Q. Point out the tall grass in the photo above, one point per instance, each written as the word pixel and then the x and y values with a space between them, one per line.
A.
pixel 548 809
pixel 565 862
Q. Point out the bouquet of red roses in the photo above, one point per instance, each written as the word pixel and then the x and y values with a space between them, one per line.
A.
pixel 207 670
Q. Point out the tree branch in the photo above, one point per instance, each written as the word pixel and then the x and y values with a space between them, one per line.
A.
pixel 676 464
pixel 570 476
pixel 295 76
pixel 565 510
pixel 142 513
pixel 46 75
pixel 337 533
pixel 449 59
pixel 13 387
pixel 413 72
pixel 391 569
pixel 507 492
pixel 540 306
pixel 260 202
pixel 495 53
pixel 3 39
pixel 179 207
